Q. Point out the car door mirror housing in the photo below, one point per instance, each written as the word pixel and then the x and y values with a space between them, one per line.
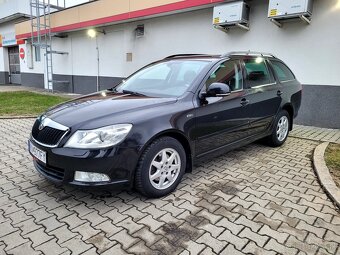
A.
pixel 217 89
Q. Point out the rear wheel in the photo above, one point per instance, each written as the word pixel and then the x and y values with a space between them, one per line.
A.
pixel 280 130
pixel 161 167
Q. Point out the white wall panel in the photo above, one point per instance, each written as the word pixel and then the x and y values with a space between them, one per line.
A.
pixel 111 53
pixel 83 54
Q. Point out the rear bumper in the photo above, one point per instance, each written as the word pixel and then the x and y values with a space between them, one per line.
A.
pixel 62 163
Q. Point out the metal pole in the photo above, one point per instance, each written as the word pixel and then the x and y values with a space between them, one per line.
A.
pixel 97 48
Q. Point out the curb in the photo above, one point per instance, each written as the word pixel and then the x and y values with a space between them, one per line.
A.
pixel 324 175
pixel 17 117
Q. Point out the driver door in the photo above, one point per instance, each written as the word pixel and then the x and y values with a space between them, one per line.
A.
pixel 221 120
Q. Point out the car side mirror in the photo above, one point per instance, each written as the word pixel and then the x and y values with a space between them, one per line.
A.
pixel 217 89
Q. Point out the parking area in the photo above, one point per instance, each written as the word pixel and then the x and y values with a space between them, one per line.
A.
pixel 256 199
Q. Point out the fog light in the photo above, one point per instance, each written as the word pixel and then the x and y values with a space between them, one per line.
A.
pixel 90 177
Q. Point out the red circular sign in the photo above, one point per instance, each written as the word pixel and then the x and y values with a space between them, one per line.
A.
pixel 22 53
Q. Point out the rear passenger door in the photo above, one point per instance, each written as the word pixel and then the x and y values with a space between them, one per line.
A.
pixel 263 94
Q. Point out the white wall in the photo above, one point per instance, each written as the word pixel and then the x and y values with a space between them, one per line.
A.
pixel 312 51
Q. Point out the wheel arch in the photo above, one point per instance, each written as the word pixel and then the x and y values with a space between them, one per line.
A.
pixel 180 137
pixel 290 109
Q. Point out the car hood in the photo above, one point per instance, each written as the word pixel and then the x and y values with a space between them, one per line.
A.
pixel 102 105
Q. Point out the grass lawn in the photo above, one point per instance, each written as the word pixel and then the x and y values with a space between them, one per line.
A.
pixel 23 103
pixel 332 157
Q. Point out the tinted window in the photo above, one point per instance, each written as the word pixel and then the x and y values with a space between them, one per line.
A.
pixel 282 71
pixel 257 72
pixel 229 73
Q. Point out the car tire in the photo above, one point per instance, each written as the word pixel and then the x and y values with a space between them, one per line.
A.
pixel 280 129
pixel 160 168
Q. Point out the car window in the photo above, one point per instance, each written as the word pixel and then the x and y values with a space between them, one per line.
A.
pixel 188 72
pixel 282 71
pixel 159 72
pixel 257 72
pixel 166 79
pixel 229 72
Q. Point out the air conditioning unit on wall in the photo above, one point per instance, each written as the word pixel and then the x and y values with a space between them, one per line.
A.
pixel 281 10
pixel 234 14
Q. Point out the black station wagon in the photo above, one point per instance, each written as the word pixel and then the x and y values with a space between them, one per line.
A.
pixel 150 129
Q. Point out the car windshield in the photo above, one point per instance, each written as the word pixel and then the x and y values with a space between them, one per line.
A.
pixel 167 79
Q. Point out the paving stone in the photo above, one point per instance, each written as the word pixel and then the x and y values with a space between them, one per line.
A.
pixel 150 222
pixel 116 249
pixel 237 241
pixel 51 224
pixel 242 220
pixel 147 236
pixel 299 234
pixel 302 246
pixel 124 239
pixel 13 240
pixel 310 228
pixel 73 221
pixel 101 242
pixel 253 248
pixel 278 236
pixel 279 248
pixel 76 245
pixel 6 228
pixel 232 227
pixel 38 237
pixel 51 247
pixel 260 240
pixel 86 231
pixel 215 244
pixel 108 228
pixel 194 248
pixel 23 249
pixel 94 218
pixel 331 246
pixel 62 234
pixel 141 248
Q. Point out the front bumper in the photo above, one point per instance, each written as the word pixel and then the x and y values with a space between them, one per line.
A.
pixel 62 163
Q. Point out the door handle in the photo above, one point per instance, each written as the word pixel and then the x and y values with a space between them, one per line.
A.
pixel 244 102
pixel 279 93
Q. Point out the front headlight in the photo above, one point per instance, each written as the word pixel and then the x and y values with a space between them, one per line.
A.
pixel 99 138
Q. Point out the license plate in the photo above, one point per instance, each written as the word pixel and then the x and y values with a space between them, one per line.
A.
pixel 37 153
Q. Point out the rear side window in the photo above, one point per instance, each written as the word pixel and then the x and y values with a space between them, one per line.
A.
pixel 257 72
pixel 282 71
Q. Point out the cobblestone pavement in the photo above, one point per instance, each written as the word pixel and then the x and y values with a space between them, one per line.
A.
pixel 256 200
pixel 316 134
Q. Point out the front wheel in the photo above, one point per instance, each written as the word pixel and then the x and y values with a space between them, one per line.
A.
pixel 160 168
pixel 280 130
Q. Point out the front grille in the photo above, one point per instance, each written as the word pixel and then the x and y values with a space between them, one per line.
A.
pixel 49 136
pixel 54 173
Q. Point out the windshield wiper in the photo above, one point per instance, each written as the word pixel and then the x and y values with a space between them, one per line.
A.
pixel 134 93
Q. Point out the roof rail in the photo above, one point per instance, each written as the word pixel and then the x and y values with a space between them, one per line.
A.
pixel 187 55
pixel 249 53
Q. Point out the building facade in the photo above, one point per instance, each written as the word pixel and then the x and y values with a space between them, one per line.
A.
pixel 182 26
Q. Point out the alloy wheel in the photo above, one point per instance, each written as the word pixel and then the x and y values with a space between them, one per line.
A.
pixel 282 128
pixel 165 168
